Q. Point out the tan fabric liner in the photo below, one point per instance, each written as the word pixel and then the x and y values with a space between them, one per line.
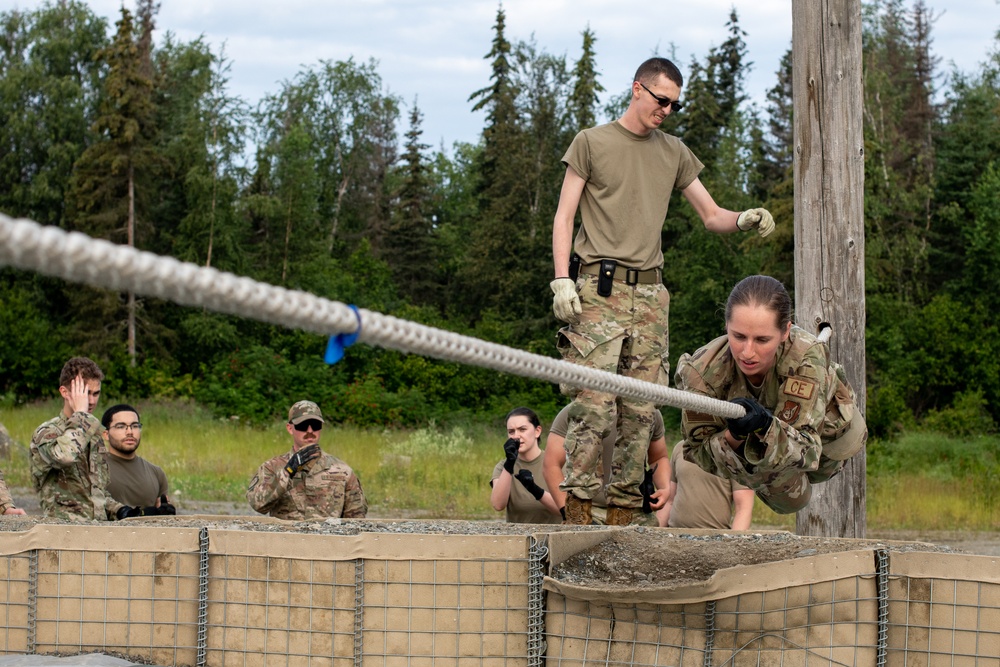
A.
pixel 953 567
pixel 381 546
pixel 119 537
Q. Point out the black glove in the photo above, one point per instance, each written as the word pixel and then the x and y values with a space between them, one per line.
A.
pixel 510 449
pixel 300 458
pixel 165 506
pixel 757 417
pixel 647 489
pixel 528 481
pixel 126 512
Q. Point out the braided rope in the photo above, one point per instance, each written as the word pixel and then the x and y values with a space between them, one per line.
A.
pixel 78 258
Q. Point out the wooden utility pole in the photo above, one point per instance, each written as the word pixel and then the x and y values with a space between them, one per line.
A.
pixel 829 222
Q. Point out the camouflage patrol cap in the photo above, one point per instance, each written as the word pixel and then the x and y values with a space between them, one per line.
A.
pixel 302 411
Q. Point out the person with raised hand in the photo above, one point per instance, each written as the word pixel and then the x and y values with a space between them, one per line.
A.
pixel 518 482
pixel 68 459
pixel 801 421
pixel 306 482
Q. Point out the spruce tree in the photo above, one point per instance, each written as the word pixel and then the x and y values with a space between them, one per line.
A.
pixel 410 248
pixel 493 273
pixel 110 178
pixel 584 98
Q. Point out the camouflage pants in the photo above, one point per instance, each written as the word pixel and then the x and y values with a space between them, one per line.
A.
pixel 600 516
pixel 781 477
pixel 625 333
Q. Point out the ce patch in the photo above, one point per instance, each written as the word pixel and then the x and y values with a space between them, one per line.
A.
pixel 800 388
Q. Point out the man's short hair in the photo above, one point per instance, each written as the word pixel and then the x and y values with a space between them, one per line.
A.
pixel 81 366
pixel 110 413
pixel 653 67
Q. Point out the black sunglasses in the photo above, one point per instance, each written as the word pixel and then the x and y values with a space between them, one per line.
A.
pixel 316 425
pixel 663 101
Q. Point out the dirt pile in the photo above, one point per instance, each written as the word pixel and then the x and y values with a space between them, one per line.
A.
pixel 662 557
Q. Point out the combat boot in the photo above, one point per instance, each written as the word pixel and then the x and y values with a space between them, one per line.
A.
pixel 577 511
pixel 619 516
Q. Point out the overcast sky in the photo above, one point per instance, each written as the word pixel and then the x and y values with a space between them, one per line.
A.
pixel 434 49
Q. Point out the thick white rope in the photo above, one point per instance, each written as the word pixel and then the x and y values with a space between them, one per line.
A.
pixel 78 258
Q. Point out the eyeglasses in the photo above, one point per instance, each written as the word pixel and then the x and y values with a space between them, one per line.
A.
pixel 663 101
pixel 135 426
pixel 315 424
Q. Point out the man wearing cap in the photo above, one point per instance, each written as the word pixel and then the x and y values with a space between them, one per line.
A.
pixel 306 483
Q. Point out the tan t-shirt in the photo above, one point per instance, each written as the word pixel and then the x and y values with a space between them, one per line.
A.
pixel 136 482
pixel 522 506
pixel 560 425
pixel 625 200
pixel 701 499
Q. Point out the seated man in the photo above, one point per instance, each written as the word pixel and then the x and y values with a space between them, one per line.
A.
pixel 306 483
pixel 134 480
pixel 656 460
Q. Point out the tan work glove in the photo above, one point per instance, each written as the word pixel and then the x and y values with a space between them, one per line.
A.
pixel 566 302
pixel 756 217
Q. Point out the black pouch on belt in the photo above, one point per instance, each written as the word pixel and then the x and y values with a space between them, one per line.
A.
pixel 606 277
pixel 574 266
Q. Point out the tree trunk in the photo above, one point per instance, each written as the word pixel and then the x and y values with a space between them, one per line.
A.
pixel 131 243
pixel 829 223
pixel 215 191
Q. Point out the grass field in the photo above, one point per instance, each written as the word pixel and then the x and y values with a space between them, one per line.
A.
pixel 919 482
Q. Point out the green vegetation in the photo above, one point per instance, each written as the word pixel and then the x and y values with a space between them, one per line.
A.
pixel 919 481
pixel 128 134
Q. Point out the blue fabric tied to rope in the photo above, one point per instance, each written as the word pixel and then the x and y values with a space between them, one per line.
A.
pixel 340 342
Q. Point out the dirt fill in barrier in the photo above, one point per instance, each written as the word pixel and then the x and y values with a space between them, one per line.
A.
pixel 640 597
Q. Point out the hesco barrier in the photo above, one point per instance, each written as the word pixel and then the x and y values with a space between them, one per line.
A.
pixel 242 597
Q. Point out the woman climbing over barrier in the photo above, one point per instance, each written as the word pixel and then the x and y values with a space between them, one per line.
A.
pixel 801 422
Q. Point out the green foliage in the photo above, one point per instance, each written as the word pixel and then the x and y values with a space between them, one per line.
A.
pixel 33 345
pixel 430 441
pixel 460 240
pixel 411 249
pixel 365 403
pixel 967 416
pixel 926 357
pixel 49 88
pixel 258 383
pixel 439 473
pixel 584 99
pixel 938 457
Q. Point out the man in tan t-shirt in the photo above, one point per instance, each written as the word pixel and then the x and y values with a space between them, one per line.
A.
pixel 620 176
pixel 699 499
pixel 134 481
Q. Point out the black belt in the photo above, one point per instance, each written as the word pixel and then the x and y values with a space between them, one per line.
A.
pixel 630 276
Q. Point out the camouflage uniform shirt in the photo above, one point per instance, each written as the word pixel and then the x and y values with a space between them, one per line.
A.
pixel 70 471
pixel 6 444
pixel 813 406
pixel 6 501
pixel 326 487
